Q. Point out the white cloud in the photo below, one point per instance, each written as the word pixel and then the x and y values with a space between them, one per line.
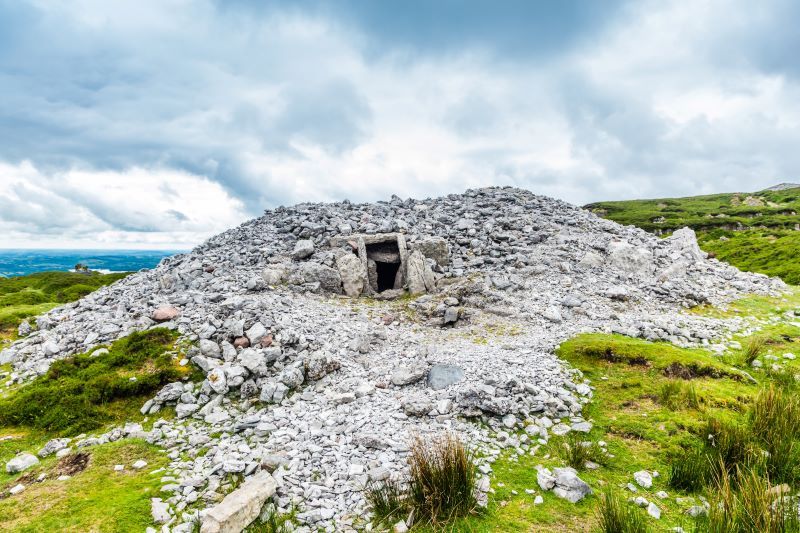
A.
pixel 252 109
pixel 137 208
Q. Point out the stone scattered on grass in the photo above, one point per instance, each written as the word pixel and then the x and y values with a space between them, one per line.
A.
pixel 643 478
pixel 21 462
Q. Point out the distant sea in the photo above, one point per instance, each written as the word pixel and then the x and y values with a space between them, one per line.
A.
pixel 21 262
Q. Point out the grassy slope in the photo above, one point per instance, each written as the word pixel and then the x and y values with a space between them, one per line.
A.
pixel 641 432
pixel 765 240
pixel 97 499
pixel 26 296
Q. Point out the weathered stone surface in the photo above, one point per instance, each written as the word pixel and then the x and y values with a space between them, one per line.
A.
pixel 442 376
pixel 165 313
pixel 419 276
pixel 303 249
pixel 241 507
pixel 21 463
pixel 433 248
pixel 408 374
pixel 352 273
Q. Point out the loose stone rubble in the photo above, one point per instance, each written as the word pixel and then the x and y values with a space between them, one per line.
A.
pixel 306 382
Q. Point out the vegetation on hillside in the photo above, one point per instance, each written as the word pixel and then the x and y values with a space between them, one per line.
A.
pixel 714 428
pixel 94 391
pixel 97 498
pixel 756 232
pixel 27 296
pixel 87 391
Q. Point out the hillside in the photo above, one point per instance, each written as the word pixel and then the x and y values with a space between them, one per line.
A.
pixel 756 232
pixel 23 297
pixel 314 348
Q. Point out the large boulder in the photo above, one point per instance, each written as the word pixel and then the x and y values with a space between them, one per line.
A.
pixel 630 259
pixel 433 248
pixel 352 273
pixel 683 244
pixel 327 277
pixel 419 274
pixel 241 507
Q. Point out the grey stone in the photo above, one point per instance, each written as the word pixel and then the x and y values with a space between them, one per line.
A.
pixel 406 375
pixel 303 249
pixel 353 274
pixel 442 376
pixel 241 507
pixel 21 463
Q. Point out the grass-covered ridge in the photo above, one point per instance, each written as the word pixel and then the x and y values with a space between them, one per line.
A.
pixel 757 232
pixel 87 391
pixel 27 296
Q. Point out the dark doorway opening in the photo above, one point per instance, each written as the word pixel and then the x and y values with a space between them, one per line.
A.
pixel 387 272
pixel 386 256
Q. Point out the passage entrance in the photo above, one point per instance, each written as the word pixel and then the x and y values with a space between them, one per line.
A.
pixel 386 259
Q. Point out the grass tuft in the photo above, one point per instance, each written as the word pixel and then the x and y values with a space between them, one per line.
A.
pixel 576 452
pixel 753 348
pixel 443 476
pixel 744 503
pixel 615 515
pixel 440 488
pixel 690 472
pixel 387 500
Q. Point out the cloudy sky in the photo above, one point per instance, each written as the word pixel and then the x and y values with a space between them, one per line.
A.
pixel 157 123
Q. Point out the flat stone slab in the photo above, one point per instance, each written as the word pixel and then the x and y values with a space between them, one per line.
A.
pixel 442 376
pixel 241 507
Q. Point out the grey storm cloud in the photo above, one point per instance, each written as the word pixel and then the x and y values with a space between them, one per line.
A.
pixel 104 106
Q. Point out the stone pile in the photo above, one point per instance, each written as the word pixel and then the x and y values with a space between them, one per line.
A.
pixel 324 393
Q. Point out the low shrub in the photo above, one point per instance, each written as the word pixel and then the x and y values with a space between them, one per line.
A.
pixel 440 487
pixel 743 502
pixel 442 479
pixel 83 392
pixel 615 515
pixel 691 471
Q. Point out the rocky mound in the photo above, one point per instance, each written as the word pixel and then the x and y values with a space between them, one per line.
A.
pixel 329 332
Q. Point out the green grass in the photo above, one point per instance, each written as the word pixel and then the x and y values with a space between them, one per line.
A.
pixel 97 499
pixel 757 238
pixel 655 405
pixel 83 392
pixel 27 296
pixel 615 515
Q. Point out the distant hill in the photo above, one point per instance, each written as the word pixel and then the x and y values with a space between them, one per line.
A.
pixel 783 187
pixel 757 232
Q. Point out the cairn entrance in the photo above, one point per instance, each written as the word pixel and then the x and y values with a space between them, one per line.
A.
pixel 386 259
pixel 383 256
